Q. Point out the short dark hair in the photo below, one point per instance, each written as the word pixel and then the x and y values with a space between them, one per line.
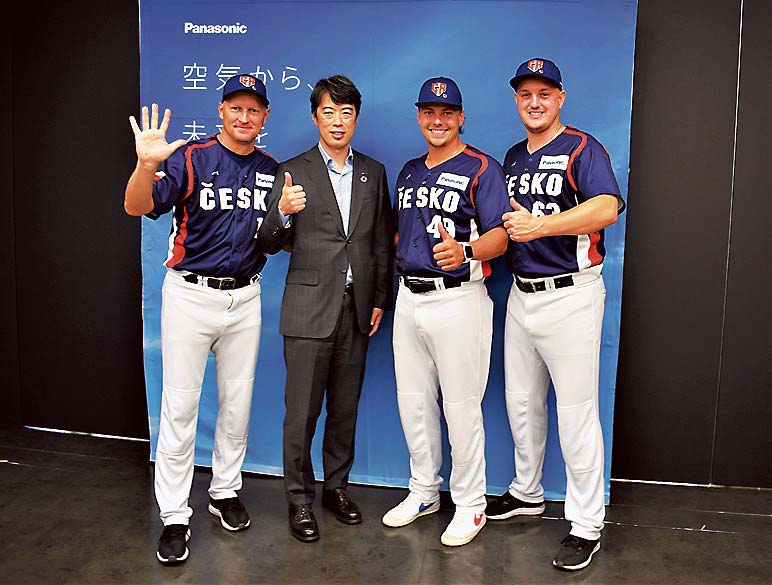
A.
pixel 341 89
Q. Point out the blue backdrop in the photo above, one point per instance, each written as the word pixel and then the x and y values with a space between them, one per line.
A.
pixel 388 49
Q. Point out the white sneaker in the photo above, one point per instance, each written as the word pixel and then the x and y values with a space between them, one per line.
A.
pixel 408 510
pixel 463 528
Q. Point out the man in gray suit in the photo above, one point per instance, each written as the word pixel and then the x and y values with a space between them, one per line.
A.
pixel 330 208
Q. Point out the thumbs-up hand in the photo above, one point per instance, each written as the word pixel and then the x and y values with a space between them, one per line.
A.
pixel 293 197
pixel 521 224
pixel 448 254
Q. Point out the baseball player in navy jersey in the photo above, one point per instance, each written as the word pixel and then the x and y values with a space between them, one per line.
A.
pixel 563 193
pixel 216 188
pixel 448 208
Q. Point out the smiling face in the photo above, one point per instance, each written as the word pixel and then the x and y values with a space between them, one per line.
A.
pixel 538 104
pixel 243 115
pixel 336 123
pixel 440 125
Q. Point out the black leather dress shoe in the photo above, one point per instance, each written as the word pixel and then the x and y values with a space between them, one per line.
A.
pixel 302 523
pixel 339 502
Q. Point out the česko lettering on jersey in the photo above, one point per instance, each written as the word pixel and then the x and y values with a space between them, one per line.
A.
pixel 571 169
pixel 219 200
pixel 467 194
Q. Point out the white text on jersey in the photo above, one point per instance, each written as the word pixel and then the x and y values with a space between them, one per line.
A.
pixel 535 184
pixel 245 198
pixel 428 197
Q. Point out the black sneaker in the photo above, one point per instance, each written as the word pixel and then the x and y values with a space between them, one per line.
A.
pixel 172 546
pixel 506 505
pixel 231 513
pixel 575 553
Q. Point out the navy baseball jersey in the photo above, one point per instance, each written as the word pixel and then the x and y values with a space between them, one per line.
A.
pixel 571 169
pixel 219 200
pixel 466 193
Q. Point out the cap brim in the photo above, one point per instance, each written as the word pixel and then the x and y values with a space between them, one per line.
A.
pixel 515 81
pixel 250 92
pixel 459 106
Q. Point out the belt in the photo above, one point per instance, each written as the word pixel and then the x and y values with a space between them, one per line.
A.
pixel 349 288
pixel 418 284
pixel 531 286
pixel 224 283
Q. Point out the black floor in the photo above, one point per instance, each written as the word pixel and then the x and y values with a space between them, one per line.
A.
pixel 77 509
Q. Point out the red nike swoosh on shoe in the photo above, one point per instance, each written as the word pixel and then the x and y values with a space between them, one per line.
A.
pixel 477 519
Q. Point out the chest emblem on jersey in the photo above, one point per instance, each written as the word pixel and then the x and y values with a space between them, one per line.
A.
pixel 439 88
pixel 554 162
pixel 453 180
pixel 535 65
pixel 247 80
pixel 265 181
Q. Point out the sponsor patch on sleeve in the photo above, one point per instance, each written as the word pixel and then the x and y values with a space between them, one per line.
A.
pixel 453 181
pixel 265 181
pixel 554 162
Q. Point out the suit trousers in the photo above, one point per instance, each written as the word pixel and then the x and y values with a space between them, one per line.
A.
pixel 195 320
pixel 334 366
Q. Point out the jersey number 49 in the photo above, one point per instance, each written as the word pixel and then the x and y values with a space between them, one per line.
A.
pixel 447 223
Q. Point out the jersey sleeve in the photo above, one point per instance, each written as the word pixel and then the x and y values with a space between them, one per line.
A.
pixel 169 183
pixel 490 196
pixel 594 175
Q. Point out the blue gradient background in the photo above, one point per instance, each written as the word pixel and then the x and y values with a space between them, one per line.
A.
pixel 388 49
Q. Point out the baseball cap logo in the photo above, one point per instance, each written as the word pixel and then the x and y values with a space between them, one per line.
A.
pixel 247 81
pixel 535 65
pixel 439 88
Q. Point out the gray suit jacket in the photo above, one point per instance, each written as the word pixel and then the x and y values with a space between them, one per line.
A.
pixel 321 250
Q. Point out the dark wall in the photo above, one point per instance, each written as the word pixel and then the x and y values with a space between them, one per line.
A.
pixel 10 396
pixel 77 253
pixel 692 396
pixel 743 442
pixel 692 392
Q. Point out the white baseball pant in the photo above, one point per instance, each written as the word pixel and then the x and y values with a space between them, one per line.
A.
pixel 194 320
pixel 556 333
pixel 443 339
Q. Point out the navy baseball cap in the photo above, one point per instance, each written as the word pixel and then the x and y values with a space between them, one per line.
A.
pixel 537 68
pixel 246 83
pixel 440 90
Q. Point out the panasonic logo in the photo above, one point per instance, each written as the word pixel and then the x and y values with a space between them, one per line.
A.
pixel 215 29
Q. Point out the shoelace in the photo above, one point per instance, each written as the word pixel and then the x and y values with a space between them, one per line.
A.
pixel 458 519
pixel 230 505
pixel 574 542
pixel 405 504
pixel 174 532
pixel 343 497
pixel 302 514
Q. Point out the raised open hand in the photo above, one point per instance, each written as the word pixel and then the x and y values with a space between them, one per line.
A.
pixel 150 141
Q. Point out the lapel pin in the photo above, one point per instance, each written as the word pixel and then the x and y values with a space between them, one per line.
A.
pixel 363 178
